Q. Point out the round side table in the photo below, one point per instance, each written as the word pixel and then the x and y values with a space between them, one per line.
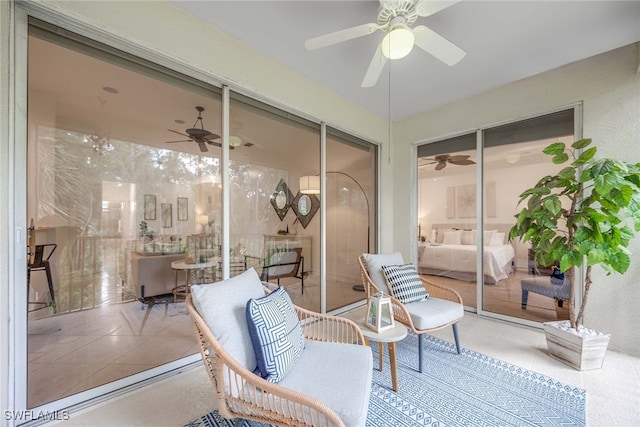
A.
pixel 389 336
pixel 199 267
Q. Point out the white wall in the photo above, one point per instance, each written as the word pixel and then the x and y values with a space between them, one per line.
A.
pixel 608 85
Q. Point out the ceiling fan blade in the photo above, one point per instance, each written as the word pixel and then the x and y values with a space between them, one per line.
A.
pixel 462 162
pixel 182 140
pixel 433 43
pixel 421 165
pixel 203 147
pixel 375 68
pixel 179 133
pixel 459 157
pixel 340 36
pixel 429 7
pixel 440 166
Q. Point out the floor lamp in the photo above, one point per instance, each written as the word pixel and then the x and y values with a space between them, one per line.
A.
pixel 310 184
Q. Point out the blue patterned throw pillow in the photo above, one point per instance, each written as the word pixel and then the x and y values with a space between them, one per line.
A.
pixel 276 334
pixel 404 283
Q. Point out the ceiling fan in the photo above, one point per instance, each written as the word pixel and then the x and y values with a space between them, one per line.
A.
pixel 200 135
pixel 395 19
pixel 441 161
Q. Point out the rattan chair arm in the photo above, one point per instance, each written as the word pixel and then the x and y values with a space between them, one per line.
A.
pixel 436 290
pixel 324 327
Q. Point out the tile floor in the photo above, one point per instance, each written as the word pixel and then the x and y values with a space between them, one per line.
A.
pixel 613 392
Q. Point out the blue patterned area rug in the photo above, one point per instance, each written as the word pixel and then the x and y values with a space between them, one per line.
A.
pixel 470 389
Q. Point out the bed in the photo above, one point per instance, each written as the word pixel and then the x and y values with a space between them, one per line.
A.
pixel 451 252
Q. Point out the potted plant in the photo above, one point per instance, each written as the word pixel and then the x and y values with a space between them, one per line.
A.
pixel 580 218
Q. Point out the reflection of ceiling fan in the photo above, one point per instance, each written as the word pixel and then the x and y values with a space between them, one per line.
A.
pixel 199 135
pixel 443 159
pixel 395 19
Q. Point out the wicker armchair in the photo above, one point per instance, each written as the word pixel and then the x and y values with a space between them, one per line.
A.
pixel 242 394
pixel 442 308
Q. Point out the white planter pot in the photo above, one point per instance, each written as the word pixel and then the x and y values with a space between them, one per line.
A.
pixel 581 352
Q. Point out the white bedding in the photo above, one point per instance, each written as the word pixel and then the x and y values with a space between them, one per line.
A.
pixel 459 261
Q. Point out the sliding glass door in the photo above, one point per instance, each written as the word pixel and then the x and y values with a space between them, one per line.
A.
pixel 274 228
pixel 468 192
pixel 351 215
pixel 512 162
pixel 125 168
pixel 121 158
pixel 447 208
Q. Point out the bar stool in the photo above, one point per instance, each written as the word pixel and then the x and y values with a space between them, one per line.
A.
pixel 40 263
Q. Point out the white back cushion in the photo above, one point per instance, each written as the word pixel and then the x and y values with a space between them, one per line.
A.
pixel 222 305
pixel 374 267
pixel 289 258
pixel 468 237
pixel 497 239
pixel 452 237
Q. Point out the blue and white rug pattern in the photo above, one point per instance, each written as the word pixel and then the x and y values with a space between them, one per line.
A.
pixel 470 389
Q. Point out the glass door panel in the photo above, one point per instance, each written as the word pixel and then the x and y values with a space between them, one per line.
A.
pixel 351 207
pixel 515 150
pixel 120 202
pixel 269 217
pixel 448 228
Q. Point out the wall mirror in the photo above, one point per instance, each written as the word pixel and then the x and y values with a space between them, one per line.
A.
pixel 305 206
pixel 281 199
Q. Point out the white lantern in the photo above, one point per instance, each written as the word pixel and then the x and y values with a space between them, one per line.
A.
pixel 379 313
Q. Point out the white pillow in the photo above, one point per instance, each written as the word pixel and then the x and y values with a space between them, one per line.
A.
pixel 488 235
pixel 374 263
pixel 432 239
pixel 497 239
pixel 222 305
pixel 452 237
pixel 440 234
pixel 468 237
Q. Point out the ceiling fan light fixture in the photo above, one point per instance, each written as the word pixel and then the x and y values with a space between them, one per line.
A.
pixel 234 141
pixel 398 42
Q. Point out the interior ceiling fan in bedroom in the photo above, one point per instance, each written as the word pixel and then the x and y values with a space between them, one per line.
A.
pixel 199 135
pixel 395 19
pixel 441 161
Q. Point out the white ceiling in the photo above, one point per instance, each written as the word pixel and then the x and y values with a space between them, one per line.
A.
pixel 505 41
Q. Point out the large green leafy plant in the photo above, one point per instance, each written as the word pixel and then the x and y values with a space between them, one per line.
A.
pixel 581 216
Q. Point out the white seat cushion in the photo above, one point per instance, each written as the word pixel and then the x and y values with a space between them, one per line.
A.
pixel 222 305
pixel 336 374
pixel 433 312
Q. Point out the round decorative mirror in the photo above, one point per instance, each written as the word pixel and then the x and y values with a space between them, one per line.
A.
pixel 281 199
pixel 304 204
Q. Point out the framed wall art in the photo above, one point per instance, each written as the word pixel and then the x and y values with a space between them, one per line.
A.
pixel 166 215
pixel 183 209
pixel 149 207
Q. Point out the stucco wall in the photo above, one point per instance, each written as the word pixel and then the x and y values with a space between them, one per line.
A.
pixel 608 85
